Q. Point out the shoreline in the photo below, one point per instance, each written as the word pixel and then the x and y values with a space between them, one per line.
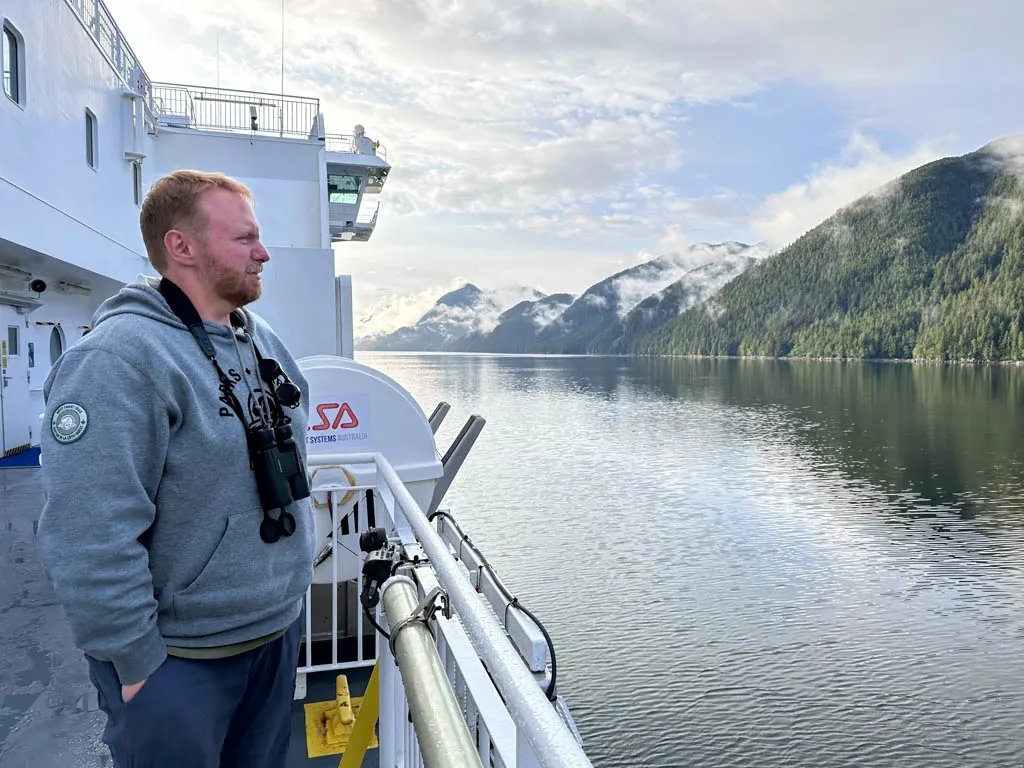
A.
pixel 815 359
pixel 786 358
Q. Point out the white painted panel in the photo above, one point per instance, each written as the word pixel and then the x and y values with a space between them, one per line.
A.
pixel 282 174
pixel 298 299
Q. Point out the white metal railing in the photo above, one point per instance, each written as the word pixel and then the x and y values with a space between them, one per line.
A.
pixel 346 142
pixel 339 543
pixel 523 632
pixel 510 719
pixel 233 111
pixel 489 721
pixel 100 25
pixel 437 714
pixel 340 142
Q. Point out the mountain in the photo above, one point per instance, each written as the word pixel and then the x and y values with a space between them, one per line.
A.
pixel 930 265
pixel 518 327
pixel 466 310
pixel 605 318
pixel 638 297
pixel 693 287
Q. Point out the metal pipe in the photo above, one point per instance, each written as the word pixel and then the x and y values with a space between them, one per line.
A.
pixel 436 715
pixel 550 739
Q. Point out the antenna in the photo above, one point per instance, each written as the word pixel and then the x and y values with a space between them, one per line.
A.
pixel 282 47
pixel 218 60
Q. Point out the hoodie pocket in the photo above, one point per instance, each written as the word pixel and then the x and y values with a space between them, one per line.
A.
pixel 246 580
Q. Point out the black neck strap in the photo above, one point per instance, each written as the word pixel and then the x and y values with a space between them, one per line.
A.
pixel 185 310
pixel 183 307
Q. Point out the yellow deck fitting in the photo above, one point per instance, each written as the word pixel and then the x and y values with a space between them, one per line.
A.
pixel 329 723
pixel 364 735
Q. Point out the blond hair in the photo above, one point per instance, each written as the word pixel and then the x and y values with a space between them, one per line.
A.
pixel 173 203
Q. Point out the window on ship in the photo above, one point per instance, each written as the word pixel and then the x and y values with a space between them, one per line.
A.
pixel 343 189
pixel 12 59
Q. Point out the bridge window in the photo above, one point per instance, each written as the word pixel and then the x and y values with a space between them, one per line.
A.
pixel 13 60
pixel 343 189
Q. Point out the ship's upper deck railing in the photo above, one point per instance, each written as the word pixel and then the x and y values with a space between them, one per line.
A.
pixel 211 109
pixel 234 111
pixel 512 721
pixel 346 142
pixel 100 25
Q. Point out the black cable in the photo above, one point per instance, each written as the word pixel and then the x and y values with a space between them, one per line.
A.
pixel 508 596
pixel 551 647
pixel 375 624
pixel 394 568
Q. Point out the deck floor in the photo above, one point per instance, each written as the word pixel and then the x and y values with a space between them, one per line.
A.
pixel 321 688
pixel 49 717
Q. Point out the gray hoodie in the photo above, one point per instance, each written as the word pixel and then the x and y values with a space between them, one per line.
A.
pixel 150 529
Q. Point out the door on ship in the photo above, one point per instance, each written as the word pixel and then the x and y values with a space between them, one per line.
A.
pixel 14 395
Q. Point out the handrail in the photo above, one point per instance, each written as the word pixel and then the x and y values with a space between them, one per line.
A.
pixel 441 730
pixel 346 142
pixel 552 743
pixel 119 53
pixel 275 97
pixel 236 111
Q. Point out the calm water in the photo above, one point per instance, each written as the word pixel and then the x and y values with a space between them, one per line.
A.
pixel 754 563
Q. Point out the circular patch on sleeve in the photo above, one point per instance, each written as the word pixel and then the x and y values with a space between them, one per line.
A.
pixel 69 422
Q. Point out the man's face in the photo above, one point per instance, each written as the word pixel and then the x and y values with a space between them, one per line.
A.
pixel 231 255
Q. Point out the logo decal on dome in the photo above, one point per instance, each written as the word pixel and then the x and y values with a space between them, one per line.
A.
pixel 339 420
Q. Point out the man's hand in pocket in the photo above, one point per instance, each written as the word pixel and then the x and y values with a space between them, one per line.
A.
pixel 128 691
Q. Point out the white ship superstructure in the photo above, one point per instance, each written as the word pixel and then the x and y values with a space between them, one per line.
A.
pixel 84 131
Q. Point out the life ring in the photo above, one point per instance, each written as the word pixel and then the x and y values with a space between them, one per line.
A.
pixel 348 494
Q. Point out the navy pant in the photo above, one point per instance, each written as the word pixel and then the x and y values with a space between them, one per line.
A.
pixel 204 713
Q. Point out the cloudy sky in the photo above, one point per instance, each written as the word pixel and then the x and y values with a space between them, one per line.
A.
pixel 550 143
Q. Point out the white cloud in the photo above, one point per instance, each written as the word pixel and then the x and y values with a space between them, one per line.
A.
pixel 545 314
pixel 570 120
pixel 865 168
pixel 706 264
pixel 391 312
pixel 483 316
pixel 1010 151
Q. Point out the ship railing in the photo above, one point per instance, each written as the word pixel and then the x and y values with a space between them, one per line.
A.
pixel 504 705
pixel 436 712
pixel 346 142
pixel 100 25
pixel 234 111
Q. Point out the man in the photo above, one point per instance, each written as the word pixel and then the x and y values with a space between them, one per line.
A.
pixel 182 589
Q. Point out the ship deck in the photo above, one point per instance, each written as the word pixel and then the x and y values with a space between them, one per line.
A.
pixel 49 716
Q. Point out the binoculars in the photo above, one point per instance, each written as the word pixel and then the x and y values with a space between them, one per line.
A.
pixel 280 478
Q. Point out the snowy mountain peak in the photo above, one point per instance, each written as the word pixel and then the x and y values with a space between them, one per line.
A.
pixel 468 318
pixel 459 312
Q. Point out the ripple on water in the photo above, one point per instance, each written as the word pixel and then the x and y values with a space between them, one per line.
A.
pixel 742 568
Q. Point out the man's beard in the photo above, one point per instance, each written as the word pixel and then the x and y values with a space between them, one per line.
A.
pixel 232 287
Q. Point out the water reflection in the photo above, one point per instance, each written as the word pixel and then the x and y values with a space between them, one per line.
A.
pixel 935 433
pixel 753 562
